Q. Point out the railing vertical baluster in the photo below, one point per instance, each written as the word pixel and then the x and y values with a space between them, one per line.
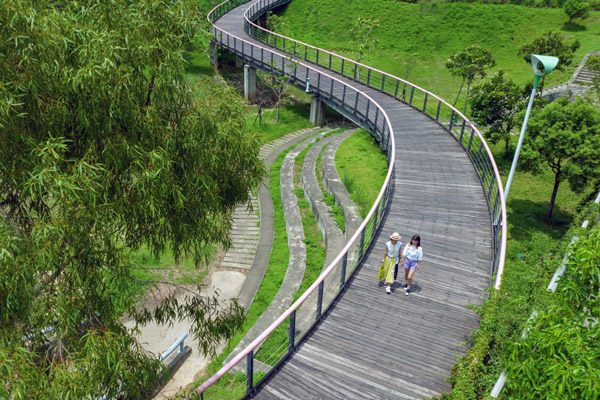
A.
pixel 249 372
pixel 412 92
pixel 356 103
pixel 284 45
pixel 228 41
pixel 331 90
pixel 470 141
pixel 355 70
pixel 320 300
pixel 437 115
pixel 485 168
pixel 387 139
pixel 329 60
pixel 317 57
pixel 292 332
pixel 343 273
pixel 272 63
pixel 362 244
pixel 367 112
pixel 375 216
pixel 479 154
pixel 382 83
pixel 397 86
pixel 262 53
pixel 425 103
pixel 451 121
pixel 305 52
pixel 318 83
pixel 462 129
pixel 344 96
pixel 489 193
pixel 275 38
pixel 497 200
pixel 342 67
pixel 369 77
pixel 376 115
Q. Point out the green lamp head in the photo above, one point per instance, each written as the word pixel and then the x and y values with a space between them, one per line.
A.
pixel 542 66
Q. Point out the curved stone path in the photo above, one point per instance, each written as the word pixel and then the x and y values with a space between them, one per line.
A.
pixel 295 232
pixel 333 184
pixel 332 234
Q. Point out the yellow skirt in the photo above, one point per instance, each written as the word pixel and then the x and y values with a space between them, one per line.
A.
pixel 388 269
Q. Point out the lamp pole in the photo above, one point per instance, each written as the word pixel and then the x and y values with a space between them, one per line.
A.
pixel 548 64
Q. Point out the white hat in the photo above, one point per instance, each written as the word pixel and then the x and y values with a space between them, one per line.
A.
pixel 395 236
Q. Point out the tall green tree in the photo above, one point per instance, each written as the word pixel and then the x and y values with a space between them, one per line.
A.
pixel 103 149
pixel 576 9
pixel 551 44
pixel 565 137
pixel 468 64
pixel 494 105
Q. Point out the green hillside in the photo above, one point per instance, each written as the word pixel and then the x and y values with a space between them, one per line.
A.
pixel 428 33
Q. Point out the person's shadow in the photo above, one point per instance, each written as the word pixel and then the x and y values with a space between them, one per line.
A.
pixel 399 285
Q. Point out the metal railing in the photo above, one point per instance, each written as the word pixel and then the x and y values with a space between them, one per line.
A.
pixel 449 117
pixel 178 343
pixel 239 377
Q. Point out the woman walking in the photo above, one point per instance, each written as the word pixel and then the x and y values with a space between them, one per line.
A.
pixel 411 260
pixel 390 258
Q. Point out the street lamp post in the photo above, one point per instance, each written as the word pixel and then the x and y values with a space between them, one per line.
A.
pixel 548 63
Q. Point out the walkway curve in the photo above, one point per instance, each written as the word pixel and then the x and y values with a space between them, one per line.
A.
pixel 437 191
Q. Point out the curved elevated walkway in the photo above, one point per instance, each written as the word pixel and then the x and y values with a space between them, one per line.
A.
pixel 377 346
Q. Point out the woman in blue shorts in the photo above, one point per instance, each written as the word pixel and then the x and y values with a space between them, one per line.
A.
pixel 411 260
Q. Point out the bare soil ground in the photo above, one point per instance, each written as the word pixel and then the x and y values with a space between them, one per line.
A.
pixel 158 338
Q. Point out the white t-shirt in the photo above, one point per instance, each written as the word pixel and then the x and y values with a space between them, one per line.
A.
pixel 393 250
pixel 412 252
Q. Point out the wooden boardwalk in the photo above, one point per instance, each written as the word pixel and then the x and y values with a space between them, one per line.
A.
pixel 378 346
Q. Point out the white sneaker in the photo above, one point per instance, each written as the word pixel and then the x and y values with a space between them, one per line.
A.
pixel 388 290
pixel 406 290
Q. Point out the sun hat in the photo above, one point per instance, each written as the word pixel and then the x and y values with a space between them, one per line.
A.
pixel 395 236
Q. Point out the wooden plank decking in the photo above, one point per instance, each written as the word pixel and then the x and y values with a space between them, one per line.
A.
pixel 378 346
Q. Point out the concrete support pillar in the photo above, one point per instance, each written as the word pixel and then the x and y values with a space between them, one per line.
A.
pixel 317 111
pixel 249 83
pixel 213 54
pixel 239 62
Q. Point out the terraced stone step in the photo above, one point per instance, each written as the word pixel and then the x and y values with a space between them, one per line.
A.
pixel 268 153
pixel 297 249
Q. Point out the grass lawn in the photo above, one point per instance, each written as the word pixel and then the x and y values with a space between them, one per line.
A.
pixel 362 167
pixel 422 36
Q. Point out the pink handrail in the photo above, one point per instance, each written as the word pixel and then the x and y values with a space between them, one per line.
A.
pixel 331 266
pixel 487 149
pixel 228 366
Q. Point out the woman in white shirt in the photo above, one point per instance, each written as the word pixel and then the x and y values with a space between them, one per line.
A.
pixel 390 258
pixel 412 255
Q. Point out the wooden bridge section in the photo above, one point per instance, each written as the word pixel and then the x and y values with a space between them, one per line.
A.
pixel 373 345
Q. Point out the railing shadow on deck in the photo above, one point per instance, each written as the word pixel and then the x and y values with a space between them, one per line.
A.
pixel 240 377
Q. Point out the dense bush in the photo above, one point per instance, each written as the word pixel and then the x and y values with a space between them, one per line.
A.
pixel 560 354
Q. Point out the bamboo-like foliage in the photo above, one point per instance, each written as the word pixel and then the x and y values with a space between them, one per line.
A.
pixel 102 150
